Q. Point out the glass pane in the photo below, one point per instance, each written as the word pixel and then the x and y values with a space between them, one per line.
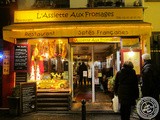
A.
pixel 103 70
pixel 49 63
pixel 82 80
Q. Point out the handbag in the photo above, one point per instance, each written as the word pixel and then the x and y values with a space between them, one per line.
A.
pixel 116 104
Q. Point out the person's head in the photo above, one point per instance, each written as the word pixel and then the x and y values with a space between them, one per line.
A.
pixel 104 66
pixel 128 64
pixel 146 57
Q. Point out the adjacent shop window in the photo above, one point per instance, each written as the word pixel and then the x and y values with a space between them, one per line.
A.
pixel 155 50
pixel 51 4
pixel 105 3
pixel 49 63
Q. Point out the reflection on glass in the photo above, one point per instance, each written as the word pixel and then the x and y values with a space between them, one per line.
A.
pixel 49 63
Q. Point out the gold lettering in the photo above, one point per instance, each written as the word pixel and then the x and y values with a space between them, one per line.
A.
pixel 39 34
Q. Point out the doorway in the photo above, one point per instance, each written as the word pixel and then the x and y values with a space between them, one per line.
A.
pixel 91 84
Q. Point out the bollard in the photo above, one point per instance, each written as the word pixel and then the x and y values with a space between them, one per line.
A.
pixel 83 109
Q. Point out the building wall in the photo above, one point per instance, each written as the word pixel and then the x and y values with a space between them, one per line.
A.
pixel 8 79
pixel 152 15
pixel 129 2
pixel 151 12
pixel 78 3
pixel 25 4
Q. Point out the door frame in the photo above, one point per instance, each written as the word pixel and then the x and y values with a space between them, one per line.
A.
pixel 92 68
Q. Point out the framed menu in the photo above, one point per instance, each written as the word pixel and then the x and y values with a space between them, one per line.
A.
pixel 134 56
pixel 21 57
pixel 28 97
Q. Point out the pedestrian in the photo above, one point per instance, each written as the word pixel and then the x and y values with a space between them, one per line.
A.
pixel 89 75
pixel 82 69
pixel 104 79
pixel 78 72
pixel 150 81
pixel 126 88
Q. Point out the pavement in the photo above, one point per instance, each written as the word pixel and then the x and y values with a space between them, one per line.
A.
pixel 64 116
pixel 94 111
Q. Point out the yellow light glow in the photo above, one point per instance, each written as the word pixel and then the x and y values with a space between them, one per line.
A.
pixel 131 54
pixel 46 55
pixel 95 39
pixel 40 40
pixel 63 60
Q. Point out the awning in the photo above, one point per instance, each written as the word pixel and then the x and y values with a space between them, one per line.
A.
pixel 76 29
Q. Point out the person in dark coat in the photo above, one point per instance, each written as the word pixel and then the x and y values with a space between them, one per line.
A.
pixel 78 72
pixel 126 87
pixel 83 67
pixel 104 79
pixel 150 83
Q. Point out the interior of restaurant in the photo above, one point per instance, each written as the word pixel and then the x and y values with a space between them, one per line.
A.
pixel 102 58
pixel 49 66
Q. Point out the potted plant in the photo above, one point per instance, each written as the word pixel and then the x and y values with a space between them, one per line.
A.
pixel 14 101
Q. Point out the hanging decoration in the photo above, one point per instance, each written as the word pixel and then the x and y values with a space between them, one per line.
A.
pixel 38 76
pixel 32 75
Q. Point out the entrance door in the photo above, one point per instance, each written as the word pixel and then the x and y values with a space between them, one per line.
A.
pixel 104 67
pixel 82 74
pixel 91 84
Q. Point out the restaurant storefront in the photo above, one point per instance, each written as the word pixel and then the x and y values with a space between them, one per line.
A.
pixel 43 45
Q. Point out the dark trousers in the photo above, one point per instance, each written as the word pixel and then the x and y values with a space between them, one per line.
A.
pixel 84 78
pixel 125 111
pixel 81 80
pixel 105 85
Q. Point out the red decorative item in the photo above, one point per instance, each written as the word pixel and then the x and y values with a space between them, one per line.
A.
pixel 41 65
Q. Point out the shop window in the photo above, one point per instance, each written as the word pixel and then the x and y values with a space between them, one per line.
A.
pixel 49 63
pixel 155 50
pixel 105 3
pixel 51 4
pixel 155 41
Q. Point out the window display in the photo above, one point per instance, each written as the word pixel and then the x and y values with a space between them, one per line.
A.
pixel 49 63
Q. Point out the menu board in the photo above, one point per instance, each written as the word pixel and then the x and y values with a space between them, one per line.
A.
pixel 134 56
pixel 28 97
pixel 20 57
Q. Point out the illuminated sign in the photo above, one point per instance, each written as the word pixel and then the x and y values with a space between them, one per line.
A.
pixel 74 32
pixel 88 40
pixel 39 30
pixel 39 34
pixel 78 15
